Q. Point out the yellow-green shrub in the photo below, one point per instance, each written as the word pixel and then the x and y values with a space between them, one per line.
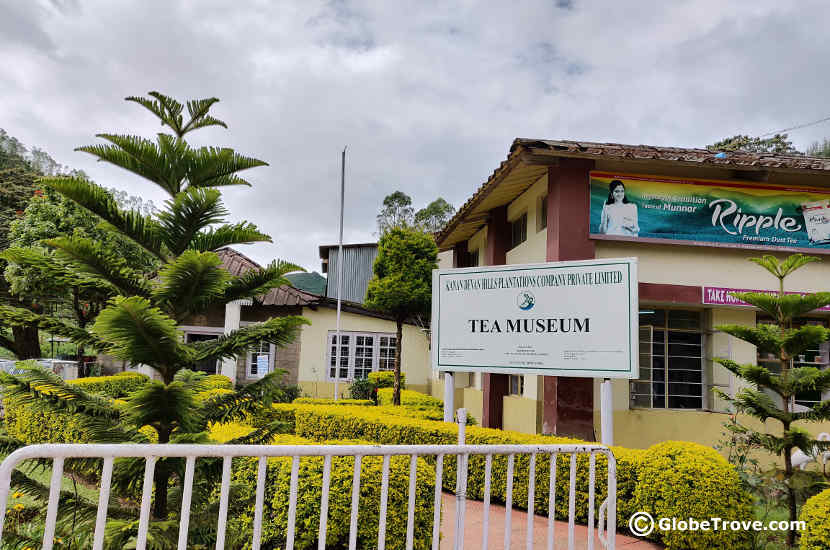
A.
pixel 116 386
pixel 679 479
pixel 422 405
pixel 324 401
pixel 207 394
pixel 277 485
pixel 816 514
pixel 30 426
pixel 386 379
pixel 217 381
pixel 381 425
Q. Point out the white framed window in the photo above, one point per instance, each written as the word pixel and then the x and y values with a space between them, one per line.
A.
pixel 360 354
pixel 517 384
pixel 260 360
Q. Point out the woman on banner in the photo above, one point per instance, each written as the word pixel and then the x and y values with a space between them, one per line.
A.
pixel 619 215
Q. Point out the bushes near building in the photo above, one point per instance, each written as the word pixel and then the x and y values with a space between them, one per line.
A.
pixel 386 379
pixel 323 401
pixel 277 485
pixel 679 479
pixel 816 514
pixel 116 386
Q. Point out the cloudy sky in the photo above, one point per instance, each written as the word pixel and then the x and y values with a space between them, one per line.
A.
pixel 427 98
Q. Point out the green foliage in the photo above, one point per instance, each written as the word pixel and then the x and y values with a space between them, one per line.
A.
pixel 434 216
pixel 402 281
pixel 772 392
pixel 277 484
pixel 386 379
pixel 321 401
pixel 819 149
pixel 678 479
pixel 364 389
pixel 778 144
pixel 117 386
pixel 397 211
pixel 139 319
pixel 386 425
pixel 816 513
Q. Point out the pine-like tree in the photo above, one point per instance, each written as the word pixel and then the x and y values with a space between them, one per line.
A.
pixel 772 391
pixel 139 322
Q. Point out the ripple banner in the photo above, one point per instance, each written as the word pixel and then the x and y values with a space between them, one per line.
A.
pixel 707 212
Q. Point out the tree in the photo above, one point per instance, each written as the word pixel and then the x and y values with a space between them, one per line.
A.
pixel 397 211
pixel 43 280
pixel 434 216
pixel 18 184
pixel 772 391
pixel 402 283
pixel 778 144
pixel 139 323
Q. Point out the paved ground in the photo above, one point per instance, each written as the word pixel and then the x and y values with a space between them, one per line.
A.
pixel 474 535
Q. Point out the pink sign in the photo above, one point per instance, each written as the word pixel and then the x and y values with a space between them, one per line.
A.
pixel 720 296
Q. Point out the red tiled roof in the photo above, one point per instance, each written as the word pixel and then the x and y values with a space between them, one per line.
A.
pixel 238 264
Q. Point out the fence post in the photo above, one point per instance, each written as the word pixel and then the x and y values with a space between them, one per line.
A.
pixel 449 396
pixel 460 481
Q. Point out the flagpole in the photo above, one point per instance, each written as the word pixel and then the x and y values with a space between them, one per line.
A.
pixel 339 273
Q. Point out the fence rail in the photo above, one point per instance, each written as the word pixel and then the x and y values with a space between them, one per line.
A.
pixel 60 452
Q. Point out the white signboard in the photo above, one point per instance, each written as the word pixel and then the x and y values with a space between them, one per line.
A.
pixel 556 319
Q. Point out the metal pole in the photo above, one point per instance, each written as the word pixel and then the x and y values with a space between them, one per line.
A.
pixel 607 412
pixel 339 272
pixel 449 396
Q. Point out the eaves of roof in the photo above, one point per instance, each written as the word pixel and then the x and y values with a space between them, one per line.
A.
pixel 529 160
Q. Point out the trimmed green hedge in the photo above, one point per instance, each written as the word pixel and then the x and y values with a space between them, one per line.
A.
pixel 40 427
pixel 420 404
pixel 116 386
pixel 680 479
pixel 277 485
pixel 325 401
pixel 689 475
pixel 217 382
pixel 816 513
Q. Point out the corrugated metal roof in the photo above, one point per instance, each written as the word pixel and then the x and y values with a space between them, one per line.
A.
pixel 238 264
pixel 357 270
pixel 527 158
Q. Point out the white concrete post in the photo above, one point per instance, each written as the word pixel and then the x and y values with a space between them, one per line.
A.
pixel 233 311
pixel 607 412
pixel 449 396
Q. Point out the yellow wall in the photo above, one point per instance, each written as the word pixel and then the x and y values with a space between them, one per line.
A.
pixel 520 414
pixel 415 361
pixel 699 266
pixel 445 259
pixel 478 242
pixel 473 401
pixel 534 249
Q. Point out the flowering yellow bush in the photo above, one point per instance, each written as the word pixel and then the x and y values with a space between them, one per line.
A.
pixel 816 513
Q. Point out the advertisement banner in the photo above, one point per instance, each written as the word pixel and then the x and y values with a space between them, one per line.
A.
pixel 723 213
pixel 557 319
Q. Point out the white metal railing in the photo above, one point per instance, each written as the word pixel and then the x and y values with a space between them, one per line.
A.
pixel 60 452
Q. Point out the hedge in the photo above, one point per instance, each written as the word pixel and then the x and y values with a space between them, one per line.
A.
pixel 688 471
pixel 116 386
pixel 386 379
pixel 61 427
pixel 217 381
pixel 680 479
pixel 422 405
pixel 328 401
pixel 278 478
pixel 816 514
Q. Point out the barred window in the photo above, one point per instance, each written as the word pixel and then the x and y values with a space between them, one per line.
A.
pixel 518 230
pixel 671 361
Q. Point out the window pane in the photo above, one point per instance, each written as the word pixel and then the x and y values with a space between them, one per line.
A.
pixel 689 320
pixel 386 353
pixel 656 317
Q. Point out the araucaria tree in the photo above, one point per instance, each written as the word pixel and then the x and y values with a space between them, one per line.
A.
pixel 140 319
pixel 772 391
pixel 402 282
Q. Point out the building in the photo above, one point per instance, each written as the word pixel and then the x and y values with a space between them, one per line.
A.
pixel 692 217
pixel 359 260
pixel 368 338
